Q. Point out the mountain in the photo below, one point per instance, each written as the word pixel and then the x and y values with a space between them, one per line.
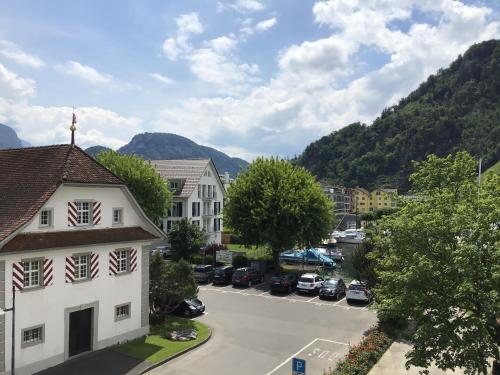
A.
pixel 94 150
pixel 8 138
pixel 157 146
pixel 456 109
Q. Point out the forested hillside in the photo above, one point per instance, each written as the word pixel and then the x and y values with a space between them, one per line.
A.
pixel 456 109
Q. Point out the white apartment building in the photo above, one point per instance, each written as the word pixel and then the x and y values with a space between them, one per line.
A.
pixel 74 248
pixel 198 194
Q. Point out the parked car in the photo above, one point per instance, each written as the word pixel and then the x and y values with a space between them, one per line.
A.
pixel 223 275
pixel 165 251
pixel 203 273
pixel 247 276
pixel 332 288
pixel 309 283
pixel 190 307
pixel 357 291
pixel 284 282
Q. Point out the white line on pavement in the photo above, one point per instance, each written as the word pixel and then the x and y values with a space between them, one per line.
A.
pixel 289 358
pixel 309 300
pixel 335 342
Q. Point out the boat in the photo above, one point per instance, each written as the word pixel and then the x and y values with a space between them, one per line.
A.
pixel 352 236
pixel 309 256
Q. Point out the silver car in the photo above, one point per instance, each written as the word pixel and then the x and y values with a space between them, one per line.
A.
pixel 357 291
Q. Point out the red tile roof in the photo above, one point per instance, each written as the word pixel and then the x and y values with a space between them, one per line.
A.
pixel 71 238
pixel 29 177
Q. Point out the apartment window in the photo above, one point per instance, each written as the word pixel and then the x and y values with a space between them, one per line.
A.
pixel 196 222
pixel 207 173
pixel 210 191
pixel 81 267
pixel 122 258
pixel 32 273
pixel 206 225
pixel 169 225
pixel 217 225
pixel 83 213
pixel 216 208
pixel 176 209
pixel 204 190
pixel 199 191
pixel 195 209
pixel 46 218
pixel 122 311
pixel 117 215
pixel 32 336
pixel 214 192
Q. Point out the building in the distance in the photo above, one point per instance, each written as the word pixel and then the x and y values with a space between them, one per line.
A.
pixel 198 194
pixel 74 248
pixel 340 196
pixel 378 199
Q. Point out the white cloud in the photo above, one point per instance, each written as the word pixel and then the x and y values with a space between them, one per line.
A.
pixel 50 125
pixel 266 24
pixel 242 6
pixel 187 25
pixel 15 87
pixel 306 99
pixel 13 52
pixel 84 72
pixel 162 78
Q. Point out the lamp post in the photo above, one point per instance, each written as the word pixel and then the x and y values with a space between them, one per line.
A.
pixel 2 312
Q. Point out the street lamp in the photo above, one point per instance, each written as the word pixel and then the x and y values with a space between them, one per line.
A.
pixel 2 313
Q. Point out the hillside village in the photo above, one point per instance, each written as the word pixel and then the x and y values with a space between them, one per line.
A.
pixel 374 251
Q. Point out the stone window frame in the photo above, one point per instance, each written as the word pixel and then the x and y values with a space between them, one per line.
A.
pixel 89 276
pixel 91 212
pixel 120 318
pixel 40 285
pixel 38 342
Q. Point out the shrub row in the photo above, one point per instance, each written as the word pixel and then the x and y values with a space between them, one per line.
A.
pixel 363 356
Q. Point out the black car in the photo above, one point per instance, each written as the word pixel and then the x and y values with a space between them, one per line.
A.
pixel 190 307
pixel 247 276
pixel 223 275
pixel 284 282
pixel 203 273
pixel 332 288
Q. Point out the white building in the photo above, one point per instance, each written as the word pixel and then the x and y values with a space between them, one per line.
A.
pixel 198 194
pixel 74 245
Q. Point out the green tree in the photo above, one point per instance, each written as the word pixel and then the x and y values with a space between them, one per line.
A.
pixel 439 265
pixel 146 185
pixel 169 284
pixel 186 239
pixel 277 205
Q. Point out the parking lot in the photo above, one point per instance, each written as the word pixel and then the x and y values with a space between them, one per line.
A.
pixel 255 332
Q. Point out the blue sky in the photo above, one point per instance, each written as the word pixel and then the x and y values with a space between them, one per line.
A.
pixel 248 77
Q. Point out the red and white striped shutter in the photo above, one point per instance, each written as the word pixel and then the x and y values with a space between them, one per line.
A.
pixel 94 265
pixel 18 275
pixel 72 214
pixel 96 213
pixel 48 272
pixel 133 260
pixel 113 263
pixel 70 269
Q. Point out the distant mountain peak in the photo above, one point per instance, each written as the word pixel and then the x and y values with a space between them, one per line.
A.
pixel 9 138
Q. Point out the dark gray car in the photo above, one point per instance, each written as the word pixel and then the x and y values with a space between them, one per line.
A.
pixel 332 288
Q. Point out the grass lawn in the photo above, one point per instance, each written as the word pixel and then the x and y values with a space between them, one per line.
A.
pixel 251 252
pixel 154 348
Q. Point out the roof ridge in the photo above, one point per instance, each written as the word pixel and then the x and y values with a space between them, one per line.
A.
pixel 33 147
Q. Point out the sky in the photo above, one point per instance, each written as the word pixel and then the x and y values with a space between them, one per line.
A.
pixel 248 77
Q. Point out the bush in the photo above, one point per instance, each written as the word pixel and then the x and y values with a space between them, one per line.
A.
pixel 240 261
pixel 363 356
pixel 200 259
pixel 213 247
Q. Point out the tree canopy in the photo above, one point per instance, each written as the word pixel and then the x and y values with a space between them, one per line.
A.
pixel 186 239
pixel 438 264
pixel 146 185
pixel 456 109
pixel 278 205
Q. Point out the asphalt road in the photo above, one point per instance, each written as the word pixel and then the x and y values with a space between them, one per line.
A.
pixel 257 333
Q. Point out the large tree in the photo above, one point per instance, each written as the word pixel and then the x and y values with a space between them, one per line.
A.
pixel 147 186
pixel 439 265
pixel 277 205
pixel 186 239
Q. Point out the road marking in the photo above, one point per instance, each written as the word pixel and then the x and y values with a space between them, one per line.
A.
pixel 289 358
pixel 262 294
pixel 309 300
pixel 336 303
pixel 334 342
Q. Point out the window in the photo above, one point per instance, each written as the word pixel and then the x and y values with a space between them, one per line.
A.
pixel 174 185
pixel 122 259
pixel 210 191
pixel 206 225
pixel 122 311
pixel 81 267
pixel 46 218
pixel 214 192
pixel 32 273
pixel 32 336
pixel 196 222
pixel 216 208
pixel 217 225
pixel 176 209
pixel 83 213
pixel 195 210
pixel 199 191
pixel 117 215
pixel 169 225
pixel 207 173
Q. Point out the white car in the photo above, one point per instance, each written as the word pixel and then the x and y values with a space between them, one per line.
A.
pixel 309 283
pixel 357 291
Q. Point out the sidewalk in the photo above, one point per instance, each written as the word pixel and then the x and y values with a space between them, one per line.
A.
pixel 393 362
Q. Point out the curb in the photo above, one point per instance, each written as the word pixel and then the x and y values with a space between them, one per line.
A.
pixel 155 365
